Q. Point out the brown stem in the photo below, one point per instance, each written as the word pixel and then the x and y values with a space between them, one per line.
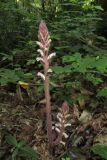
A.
pixel 48 107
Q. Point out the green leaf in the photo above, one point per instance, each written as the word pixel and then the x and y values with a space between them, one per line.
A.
pixel 58 69
pixel 67 68
pixel 7 76
pixel 101 38
pixel 100 150
pixel 28 75
pixel 66 158
pixel 99 8
pixel 40 88
pixel 11 140
pixel 102 92
pixel 92 78
pixel 14 154
pixel 31 61
pixel 71 58
pixel 101 64
pixel 21 143
pixel 28 152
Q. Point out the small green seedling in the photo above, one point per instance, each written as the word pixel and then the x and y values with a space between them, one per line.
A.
pixel 20 148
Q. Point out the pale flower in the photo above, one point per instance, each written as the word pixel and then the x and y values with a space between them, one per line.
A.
pixel 41 75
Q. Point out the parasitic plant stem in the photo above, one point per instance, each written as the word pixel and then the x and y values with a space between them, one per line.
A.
pixel 44 44
pixel 48 107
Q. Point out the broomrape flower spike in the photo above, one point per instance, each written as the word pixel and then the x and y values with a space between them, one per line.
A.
pixel 43 36
pixel 44 44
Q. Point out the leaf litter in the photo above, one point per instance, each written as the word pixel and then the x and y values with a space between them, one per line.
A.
pixel 27 122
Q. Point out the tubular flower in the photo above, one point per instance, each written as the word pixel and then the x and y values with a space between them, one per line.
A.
pixel 41 75
pixel 51 55
pixel 41 52
pixel 39 59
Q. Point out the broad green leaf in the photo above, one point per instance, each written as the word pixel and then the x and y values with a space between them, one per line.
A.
pixel 14 154
pixel 58 69
pixel 102 92
pixel 101 64
pixel 71 58
pixel 28 75
pixel 40 88
pixel 101 38
pixel 27 151
pixel 11 140
pixel 67 69
pixel 100 150
pixel 31 61
pixel 92 78
pixel 99 8
pixel 8 75
pixel 21 143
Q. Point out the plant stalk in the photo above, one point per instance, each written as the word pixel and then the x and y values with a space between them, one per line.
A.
pixel 48 107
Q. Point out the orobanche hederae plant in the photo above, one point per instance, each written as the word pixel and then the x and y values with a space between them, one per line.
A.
pixel 45 58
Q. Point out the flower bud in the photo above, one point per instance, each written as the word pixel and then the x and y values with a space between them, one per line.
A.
pixel 43 36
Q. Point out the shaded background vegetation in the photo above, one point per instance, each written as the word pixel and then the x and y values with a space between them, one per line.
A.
pixel 78 31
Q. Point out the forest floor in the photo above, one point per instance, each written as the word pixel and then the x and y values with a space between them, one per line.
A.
pixel 26 121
